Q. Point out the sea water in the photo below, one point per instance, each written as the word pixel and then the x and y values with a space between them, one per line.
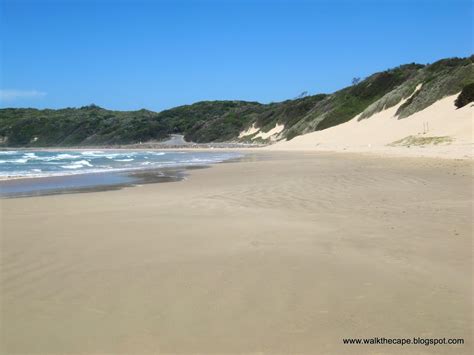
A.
pixel 60 163
pixel 60 170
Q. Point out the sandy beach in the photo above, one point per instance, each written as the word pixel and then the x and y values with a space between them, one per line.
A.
pixel 280 253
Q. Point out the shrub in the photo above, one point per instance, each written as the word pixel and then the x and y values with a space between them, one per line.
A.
pixel 292 133
pixel 466 96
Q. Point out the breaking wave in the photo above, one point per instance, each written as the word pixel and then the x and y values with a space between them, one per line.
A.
pixel 17 163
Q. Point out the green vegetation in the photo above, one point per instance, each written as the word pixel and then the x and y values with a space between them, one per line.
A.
pixel 409 101
pixel 217 121
pixel 440 79
pixel 466 96
pixel 88 125
pixel 210 121
pixel 345 104
pixel 420 141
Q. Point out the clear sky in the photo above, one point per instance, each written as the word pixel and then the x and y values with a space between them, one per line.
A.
pixel 158 54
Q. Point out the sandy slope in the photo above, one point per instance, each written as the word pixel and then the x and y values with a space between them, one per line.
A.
pixel 271 134
pixel 376 132
pixel 280 254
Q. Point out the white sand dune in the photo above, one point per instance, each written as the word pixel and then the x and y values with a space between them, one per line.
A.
pixel 272 134
pixel 374 134
pixel 251 130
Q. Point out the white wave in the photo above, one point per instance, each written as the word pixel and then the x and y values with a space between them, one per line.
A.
pixel 84 162
pixel 76 162
pixel 93 153
pixel 24 159
pixel 104 155
pixel 101 154
pixel 59 157
pixel 65 156
pixel 8 152
pixel 77 165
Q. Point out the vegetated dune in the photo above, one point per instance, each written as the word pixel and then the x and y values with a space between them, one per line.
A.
pixel 239 121
pixel 440 130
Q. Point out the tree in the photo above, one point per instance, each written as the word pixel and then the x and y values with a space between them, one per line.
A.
pixel 466 96
pixel 355 80
pixel 303 94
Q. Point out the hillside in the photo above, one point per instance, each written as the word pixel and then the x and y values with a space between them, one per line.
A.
pixel 218 121
pixel 440 130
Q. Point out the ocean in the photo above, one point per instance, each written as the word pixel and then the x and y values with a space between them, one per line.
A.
pixel 60 170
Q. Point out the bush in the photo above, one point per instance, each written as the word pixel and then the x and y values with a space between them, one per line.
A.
pixel 466 96
pixel 292 133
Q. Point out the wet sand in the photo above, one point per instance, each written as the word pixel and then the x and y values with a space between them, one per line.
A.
pixel 90 182
pixel 281 253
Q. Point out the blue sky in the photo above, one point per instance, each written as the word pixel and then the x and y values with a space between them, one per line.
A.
pixel 159 54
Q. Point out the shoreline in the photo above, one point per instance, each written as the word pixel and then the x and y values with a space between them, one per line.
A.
pixel 102 181
pixel 119 170
pixel 374 152
pixel 184 170
pixel 115 171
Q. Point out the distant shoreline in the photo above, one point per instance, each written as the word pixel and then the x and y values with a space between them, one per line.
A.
pixel 175 141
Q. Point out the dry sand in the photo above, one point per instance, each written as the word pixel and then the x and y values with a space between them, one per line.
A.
pixel 375 134
pixel 281 253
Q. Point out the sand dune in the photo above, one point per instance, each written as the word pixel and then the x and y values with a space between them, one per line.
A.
pixel 256 133
pixel 282 253
pixel 376 133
